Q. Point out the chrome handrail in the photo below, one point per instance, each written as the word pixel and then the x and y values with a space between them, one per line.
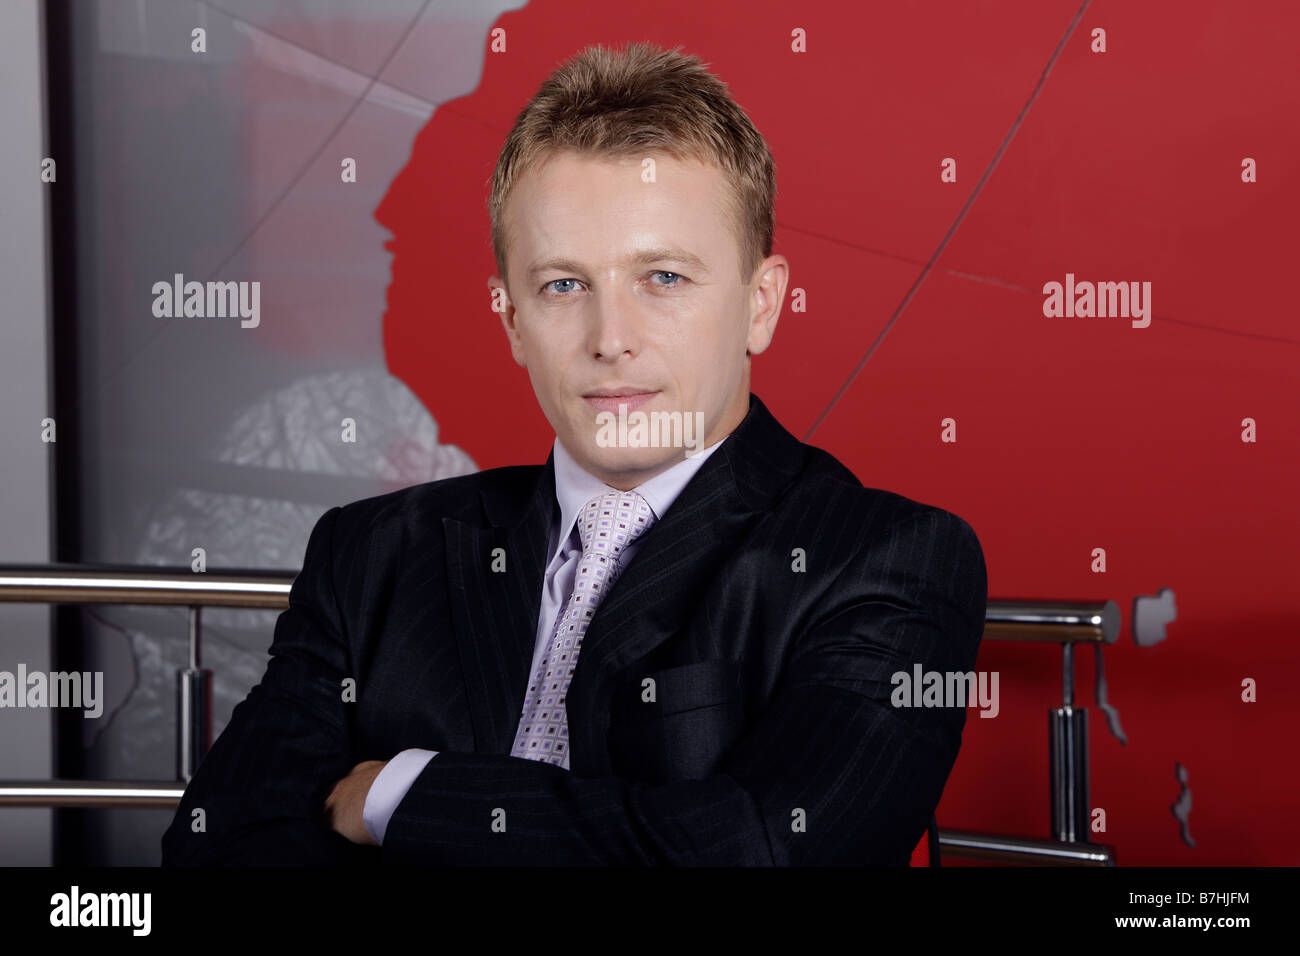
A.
pixel 123 584
pixel 995 848
pixel 1053 622
pixel 1059 622
pixel 86 793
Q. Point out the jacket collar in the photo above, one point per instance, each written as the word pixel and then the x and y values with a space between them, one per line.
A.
pixel 755 453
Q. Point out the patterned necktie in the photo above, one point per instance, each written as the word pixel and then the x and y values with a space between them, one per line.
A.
pixel 607 525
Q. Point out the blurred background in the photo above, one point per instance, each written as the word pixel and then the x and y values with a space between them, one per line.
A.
pixel 1113 157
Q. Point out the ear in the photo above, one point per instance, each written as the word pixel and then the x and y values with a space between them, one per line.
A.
pixel 503 306
pixel 767 294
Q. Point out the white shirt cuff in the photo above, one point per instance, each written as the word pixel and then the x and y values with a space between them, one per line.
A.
pixel 388 789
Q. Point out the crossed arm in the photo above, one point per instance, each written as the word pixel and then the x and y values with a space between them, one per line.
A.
pixel 830 772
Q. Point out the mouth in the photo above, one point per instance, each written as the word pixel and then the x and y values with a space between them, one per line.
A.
pixel 609 399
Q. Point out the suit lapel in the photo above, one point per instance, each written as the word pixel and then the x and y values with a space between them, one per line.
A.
pixel 678 552
pixel 658 593
pixel 495 614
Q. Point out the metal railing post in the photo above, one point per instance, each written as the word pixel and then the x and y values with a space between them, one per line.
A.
pixel 1067 747
pixel 193 707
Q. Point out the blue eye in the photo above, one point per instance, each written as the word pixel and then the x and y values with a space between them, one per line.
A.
pixel 553 281
pixel 673 285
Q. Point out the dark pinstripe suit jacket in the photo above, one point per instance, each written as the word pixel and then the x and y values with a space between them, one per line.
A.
pixel 770 738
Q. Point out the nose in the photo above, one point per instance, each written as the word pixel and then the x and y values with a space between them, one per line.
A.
pixel 614 323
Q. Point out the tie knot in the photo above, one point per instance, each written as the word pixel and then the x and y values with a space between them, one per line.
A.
pixel 612 521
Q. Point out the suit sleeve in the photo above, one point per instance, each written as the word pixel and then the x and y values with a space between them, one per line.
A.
pixel 262 786
pixel 829 773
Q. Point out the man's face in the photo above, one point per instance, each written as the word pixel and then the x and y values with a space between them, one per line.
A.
pixel 619 283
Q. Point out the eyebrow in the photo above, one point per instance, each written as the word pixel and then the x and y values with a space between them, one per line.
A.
pixel 642 257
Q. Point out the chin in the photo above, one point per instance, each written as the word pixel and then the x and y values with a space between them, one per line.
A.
pixel 629 459
pixel 632 460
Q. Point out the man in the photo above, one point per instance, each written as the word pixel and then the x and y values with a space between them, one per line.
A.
pixel 636 653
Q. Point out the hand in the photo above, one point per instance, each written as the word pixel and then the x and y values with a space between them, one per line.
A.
pixel 346 804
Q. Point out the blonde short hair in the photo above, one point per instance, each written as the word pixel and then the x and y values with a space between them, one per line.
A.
pixel 617 104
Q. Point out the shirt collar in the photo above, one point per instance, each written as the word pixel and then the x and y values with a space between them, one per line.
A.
pixel 575 486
